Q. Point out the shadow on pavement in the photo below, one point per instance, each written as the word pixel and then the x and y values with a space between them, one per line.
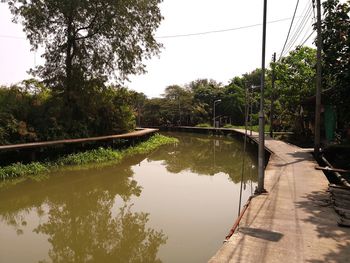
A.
pixel 261 233
pixel 323 216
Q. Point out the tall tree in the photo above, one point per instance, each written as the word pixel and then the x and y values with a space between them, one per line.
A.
pixel 295 78
pixel 89 40
pixel 336 58
pixel 205 92
pixel 233 100
pixel 179 104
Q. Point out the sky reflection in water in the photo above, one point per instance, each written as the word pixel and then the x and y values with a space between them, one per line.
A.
pixel 174 205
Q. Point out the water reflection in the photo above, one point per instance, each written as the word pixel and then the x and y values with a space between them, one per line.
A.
pixel 208 156
pixel 97 236
pixel 86 217
pixel 119 213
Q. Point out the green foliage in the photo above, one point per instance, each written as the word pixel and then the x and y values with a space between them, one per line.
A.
pixel 295 81
pixel 93 156
pixel 100 155
pixel 192 104
pixel 150 145
pixel 86 44
pixel 178 106
pixel 29 112
pixel 19 169
pixel 19 106
pixel 89 40
pixel 336 59
pixel 204 125
pixel 153 113
pixel 228 126
pixel 254 128
pixel 233 101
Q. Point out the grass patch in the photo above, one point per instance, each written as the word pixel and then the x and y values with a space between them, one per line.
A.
pixel 254 127
pixel 18 169
pixel 93 156
pixel 96 156
pixel 203 125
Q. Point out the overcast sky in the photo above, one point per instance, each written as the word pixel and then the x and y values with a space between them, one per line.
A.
pixel 218 56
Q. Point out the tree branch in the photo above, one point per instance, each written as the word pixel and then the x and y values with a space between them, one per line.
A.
pixel 88 26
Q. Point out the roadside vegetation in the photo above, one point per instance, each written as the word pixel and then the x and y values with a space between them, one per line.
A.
pixel 79 160
pixel 73 98
pixel 254 128
pixel 80 92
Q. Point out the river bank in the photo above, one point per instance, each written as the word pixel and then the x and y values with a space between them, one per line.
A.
pixel 95 156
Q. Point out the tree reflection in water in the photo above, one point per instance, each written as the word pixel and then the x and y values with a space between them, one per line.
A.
pixel 208 156
pixel 84 222
pixel 97 236
pixel 87 216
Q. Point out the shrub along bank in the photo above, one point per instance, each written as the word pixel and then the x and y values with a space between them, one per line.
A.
pixel 97 156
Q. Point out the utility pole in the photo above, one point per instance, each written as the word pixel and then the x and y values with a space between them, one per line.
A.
pixel 272 94
pixel 179 112
pixel 250 108
pixel 318 83
pixel 139 114
pixel 215 101
pixel 261 154
pixel 250 117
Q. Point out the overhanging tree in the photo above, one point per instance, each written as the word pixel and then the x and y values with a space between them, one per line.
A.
pixel 336 58
pixel 89 40
pixel 295 78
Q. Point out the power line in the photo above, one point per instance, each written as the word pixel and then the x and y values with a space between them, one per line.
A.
pixel 221 30
pixel 299 30
pixel 290 27
pixel 313 31
pixel 190 34
pixel 301 18
pixel 307 32
pixel 298 33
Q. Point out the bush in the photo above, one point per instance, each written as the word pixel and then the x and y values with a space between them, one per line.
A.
pixel 100 155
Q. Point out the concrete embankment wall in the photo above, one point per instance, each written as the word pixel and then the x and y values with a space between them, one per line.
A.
pixel 27 152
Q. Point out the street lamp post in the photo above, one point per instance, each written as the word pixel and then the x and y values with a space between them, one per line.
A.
pixel 215 101
pixel 261 158
pixel 250 101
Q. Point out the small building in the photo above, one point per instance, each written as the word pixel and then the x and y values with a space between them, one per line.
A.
pixel 328 116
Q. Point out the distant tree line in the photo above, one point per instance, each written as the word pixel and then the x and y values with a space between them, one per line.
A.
pixel 193 104
pixel 86 43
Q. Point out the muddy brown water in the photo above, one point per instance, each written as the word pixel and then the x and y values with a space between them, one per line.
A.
pixel 175 204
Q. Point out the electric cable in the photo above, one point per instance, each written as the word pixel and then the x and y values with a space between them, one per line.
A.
pixel 299 31
pixel 192 34
pixel 221 30
pixel 290 27
pixel 300 21
pixel 308 38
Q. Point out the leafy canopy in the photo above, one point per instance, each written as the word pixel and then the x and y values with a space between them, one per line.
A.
pixel 336 59
pixel 89 40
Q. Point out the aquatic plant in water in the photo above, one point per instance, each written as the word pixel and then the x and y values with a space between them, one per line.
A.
pixel 95 156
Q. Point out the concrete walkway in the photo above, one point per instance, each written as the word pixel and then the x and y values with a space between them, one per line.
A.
pixel 293 222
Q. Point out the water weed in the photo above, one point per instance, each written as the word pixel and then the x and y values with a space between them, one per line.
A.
pixel 95 156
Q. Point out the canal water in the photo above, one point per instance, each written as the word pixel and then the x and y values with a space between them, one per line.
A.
pixel 175 204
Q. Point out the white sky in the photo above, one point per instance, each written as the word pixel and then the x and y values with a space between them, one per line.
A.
pixel 218 56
